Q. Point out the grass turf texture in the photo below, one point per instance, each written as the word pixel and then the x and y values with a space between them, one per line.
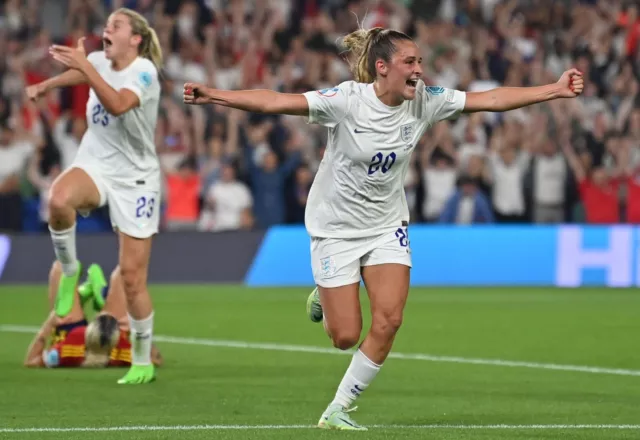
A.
pixel 209 385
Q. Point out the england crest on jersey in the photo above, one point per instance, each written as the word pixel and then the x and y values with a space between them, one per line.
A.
pixel 406 132
pixel 434 90
pixel 328 93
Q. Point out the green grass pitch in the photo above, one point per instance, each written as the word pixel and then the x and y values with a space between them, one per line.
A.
pixel 239 390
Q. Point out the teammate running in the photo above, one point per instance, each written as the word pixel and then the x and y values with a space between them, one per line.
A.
pixel 73 342
pixel 116 164
pixel 357 214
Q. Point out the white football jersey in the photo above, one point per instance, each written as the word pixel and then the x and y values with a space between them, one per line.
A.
pixel 358 190
pixel 123 147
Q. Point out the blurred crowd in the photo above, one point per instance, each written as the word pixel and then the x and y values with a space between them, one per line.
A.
pixel 563 161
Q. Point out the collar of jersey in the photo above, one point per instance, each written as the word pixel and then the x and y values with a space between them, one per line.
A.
pixel 371 94
pixel 125 70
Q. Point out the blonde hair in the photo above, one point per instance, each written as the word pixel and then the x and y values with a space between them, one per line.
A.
pixel 95 360
pixel 150 46
pixel 100 337
pixel 367 46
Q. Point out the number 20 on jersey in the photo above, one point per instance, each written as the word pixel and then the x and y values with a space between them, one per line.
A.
pixel 381 163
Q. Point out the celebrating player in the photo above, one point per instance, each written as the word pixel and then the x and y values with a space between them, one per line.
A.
pixel 357 214
pixel 76 343
pixel 116 163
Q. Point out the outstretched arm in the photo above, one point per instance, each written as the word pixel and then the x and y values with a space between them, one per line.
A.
pixel 257 101
pixel 37 346
pixel 503 99
pixel 69 78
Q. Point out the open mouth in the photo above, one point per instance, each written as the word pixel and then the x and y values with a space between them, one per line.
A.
pixel 412 82
pixel 106 42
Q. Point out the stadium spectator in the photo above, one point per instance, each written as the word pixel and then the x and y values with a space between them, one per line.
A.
pixel 509 157
pixel 598 190
pixel 14 154
pixel 227 204
pixel 268 174
pixel 293 46
pixel 547 184
pixel 67 134
pixel 438 173
pixel 42 181
pixel 467 205
pixel 183 196
pixel 479 171
pixel 300 189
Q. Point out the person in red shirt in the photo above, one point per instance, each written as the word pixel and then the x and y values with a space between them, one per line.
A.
pixel 633 197
pixel 72 341
pixel 598 190
pixel 183 196
pixel 632 180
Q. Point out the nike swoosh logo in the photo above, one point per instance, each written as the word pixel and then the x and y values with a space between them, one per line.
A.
pixel 348 422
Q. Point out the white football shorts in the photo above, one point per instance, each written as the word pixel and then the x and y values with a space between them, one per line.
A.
pixel 337 261
pixel 134 209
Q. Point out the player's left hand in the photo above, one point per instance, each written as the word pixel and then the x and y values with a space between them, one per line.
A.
pixel 72 57
pixel 572 83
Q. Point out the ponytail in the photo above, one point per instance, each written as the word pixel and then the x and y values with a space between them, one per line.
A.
pixel 150 48
pixel 150 45
pixel 367 47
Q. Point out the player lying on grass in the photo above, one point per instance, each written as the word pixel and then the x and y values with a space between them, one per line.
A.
pixel 73 342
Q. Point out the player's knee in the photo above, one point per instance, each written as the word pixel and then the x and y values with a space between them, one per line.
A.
pixel 59 201
pixel 386 324
pixel 344 340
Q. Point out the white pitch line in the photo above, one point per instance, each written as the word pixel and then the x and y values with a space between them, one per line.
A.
pixel 286 427
pixel 322 350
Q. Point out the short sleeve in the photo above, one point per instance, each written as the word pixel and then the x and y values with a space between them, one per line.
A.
pixel 328 107
pixel 142 80
pixel 441 103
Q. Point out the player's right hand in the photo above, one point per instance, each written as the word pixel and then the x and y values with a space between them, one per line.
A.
pixel 34 92
pixel 195 94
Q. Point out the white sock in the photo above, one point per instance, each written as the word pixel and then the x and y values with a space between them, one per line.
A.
pixel 141 332
pixel 359 375
pixel 64 245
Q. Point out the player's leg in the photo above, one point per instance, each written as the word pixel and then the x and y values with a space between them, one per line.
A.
pixel 388 289
pixel 134 265
pixel 385 272
pixel 133 214
pixel 343 323
pixel 342 314
pixel 73 190
pixel 108 297
pixel 76 313
pixel 336 270
pixel 95 287
pixel 116 306
pixel 115 302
